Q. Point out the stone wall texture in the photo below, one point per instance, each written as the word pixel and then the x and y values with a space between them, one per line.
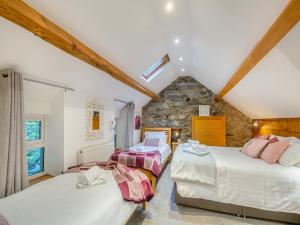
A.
pixel 180 101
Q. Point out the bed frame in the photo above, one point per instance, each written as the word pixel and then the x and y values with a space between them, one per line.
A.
pixel 236 209
pixel 280 126
pixel 168 132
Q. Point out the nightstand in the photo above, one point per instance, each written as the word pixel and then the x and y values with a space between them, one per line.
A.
pixel 174 146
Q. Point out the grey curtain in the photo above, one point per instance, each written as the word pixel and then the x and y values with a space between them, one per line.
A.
pixel 13 163
pixel 125 127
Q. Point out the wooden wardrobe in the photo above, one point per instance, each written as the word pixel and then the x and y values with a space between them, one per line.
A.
pixel 209 130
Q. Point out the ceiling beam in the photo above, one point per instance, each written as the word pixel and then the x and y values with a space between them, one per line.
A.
pixel 287 19
pixel 25 16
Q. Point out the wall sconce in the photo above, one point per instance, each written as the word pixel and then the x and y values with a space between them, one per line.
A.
pixel 256 123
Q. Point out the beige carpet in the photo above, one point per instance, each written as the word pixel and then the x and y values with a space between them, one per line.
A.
pixel 163 211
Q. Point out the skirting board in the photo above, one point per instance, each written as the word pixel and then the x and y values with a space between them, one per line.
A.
pixel 236 209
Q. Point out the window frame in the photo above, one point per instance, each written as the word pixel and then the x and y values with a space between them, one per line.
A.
pixel 155 69
pixel 41 143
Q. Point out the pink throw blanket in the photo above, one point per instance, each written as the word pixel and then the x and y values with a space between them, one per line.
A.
pixel 145 160
pixel 134 185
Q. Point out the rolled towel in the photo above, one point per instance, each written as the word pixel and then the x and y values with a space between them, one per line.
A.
pixel 90 177
pixel 193 142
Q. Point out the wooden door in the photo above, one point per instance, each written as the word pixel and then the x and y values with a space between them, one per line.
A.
pixel 209 130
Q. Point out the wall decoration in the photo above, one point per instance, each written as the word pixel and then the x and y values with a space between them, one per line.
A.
pixel 137 122
pixel 94 120
pixel 204 110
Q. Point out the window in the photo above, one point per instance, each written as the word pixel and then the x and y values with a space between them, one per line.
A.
pixel 155 69
pixel 35 145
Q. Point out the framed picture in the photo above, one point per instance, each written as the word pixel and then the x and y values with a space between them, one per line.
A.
pixel 204 110
pixel 137 122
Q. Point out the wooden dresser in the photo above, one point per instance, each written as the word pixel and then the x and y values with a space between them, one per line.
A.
pixel 209 130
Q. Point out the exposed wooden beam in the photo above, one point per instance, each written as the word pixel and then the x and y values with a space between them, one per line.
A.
pixel 282 25
pixel 25 16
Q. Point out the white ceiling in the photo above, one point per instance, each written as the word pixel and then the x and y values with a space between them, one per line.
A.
pixel 215 36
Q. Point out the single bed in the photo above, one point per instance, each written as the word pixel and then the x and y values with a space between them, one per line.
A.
pixel 164 149
pixel 227 180
pixel 57 201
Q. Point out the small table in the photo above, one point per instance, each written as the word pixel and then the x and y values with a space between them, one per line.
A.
pixel 174 146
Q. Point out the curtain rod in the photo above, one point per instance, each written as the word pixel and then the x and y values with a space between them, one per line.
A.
pixel 119 100
pixel 47 83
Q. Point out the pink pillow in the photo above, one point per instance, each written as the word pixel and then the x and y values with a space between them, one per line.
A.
pixel 273 151
pixel 255 148
pixel 262 137
pixel 151 142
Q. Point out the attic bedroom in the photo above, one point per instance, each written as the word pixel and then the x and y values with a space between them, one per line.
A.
pixel 149 112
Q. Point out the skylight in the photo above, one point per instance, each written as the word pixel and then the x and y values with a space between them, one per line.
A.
pixel 155 69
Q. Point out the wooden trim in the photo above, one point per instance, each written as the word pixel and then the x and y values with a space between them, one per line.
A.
pixel 282 25
pixel 167 130
pixel 25 16
pixel 286 127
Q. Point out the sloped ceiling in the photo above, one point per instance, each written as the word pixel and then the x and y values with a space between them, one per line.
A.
pixel 215 36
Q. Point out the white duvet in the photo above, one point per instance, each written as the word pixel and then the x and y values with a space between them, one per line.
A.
pixel 164 150
pixel 190 167
pixel 240 180
pixel 58 202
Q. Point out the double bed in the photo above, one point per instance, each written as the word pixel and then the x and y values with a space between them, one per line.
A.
pixel 229 181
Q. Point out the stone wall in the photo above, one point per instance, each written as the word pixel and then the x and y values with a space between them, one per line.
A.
pixel 180 101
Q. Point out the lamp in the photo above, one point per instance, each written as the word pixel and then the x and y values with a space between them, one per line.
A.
pixel 256 123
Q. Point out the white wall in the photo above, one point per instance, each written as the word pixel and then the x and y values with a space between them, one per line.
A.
pixel 36 108
pixel 55 146
pixel 75 123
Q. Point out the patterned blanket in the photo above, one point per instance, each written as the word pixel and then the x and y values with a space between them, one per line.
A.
pixel 134 185
pixel 145 160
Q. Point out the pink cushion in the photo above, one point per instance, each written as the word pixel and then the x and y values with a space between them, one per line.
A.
pixel 255 148
pixel 263 137
pixel 152 142
pixel 273 151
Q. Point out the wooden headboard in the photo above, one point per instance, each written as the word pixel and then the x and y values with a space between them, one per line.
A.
pixel 167 130
pixel 285 127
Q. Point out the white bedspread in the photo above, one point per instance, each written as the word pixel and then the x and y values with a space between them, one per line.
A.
pixel 58 202
pixel 245 181
pixel 164 150
pixel 193 168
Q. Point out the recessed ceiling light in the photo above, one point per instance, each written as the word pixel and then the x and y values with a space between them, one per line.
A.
pixel 169 6
pixel 180 58
pixel 182 70
pixel 176 40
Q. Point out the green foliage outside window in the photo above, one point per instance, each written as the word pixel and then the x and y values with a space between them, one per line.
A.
pixel 33 130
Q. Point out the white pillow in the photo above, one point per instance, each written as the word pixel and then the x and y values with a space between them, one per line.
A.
pixel 161 135
pixel 280 138
pixel 294 140
pixel 291 156
pixel 289 139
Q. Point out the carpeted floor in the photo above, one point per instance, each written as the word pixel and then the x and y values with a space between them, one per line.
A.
pixel 162 210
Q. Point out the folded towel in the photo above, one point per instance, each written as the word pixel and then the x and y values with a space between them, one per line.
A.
pixel 193 142
pixel 199 147
pixel 196 152
pixel 90 177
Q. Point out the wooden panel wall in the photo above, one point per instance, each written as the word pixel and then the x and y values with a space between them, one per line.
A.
pixel 281 126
